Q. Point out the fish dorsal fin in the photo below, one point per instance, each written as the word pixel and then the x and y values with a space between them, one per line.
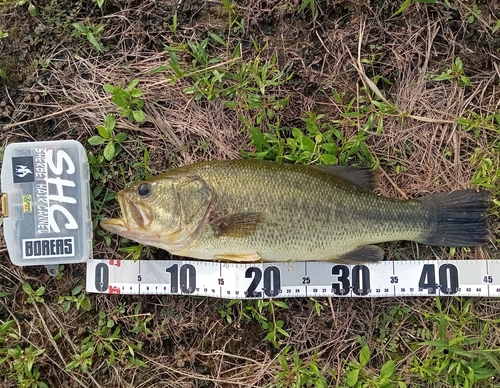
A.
pixel 236 224
pixel 362 177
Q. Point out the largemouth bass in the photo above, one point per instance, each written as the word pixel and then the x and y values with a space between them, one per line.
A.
pixel 251 210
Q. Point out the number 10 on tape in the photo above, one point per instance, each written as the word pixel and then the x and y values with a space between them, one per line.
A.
pixel 296 279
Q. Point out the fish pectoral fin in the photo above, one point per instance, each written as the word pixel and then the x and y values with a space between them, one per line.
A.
pixel 365 253
pixel 240 224
pixel 239 258
pixel 363 178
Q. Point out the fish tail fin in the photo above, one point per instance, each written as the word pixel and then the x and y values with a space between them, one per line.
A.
pixel 457 218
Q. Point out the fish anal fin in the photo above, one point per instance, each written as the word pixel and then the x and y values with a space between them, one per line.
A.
pixel 364 178
pixel 239 258
pixel 240 224
pixel 365 253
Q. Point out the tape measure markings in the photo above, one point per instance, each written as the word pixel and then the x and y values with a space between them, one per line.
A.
pixel 296 279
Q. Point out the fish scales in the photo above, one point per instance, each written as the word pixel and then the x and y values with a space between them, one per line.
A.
pixel 309 214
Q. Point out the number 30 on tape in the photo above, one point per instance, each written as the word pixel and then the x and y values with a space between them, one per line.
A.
pixel 297 279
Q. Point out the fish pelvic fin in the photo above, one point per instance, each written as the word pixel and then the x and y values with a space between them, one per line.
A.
pixel 365 253
pixel 240 224
pixel 364 178
pixel 239 258
pixel 457 218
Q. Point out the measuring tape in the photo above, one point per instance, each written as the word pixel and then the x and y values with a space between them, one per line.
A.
pixel 473 278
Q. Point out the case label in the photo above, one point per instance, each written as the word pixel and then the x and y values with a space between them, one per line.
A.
pixel 36 248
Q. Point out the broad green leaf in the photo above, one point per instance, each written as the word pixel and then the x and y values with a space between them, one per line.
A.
pixel 77 290
pixel 132 84
pixel 120 137
pixel 80 28
pixel 352 377
pixel 40 291
pixel 330 148
pixel 139 116
pixel 32 10
pixel 281 304
pixel 364 355
pixel 328 159
pixel 109 151
pixel 108 88
pixel 72 365
pixel 110 123
pixel 387 370
pixel 308 144
pixel 27 288
pixel 465 80
pixel 103 132
pixel 96 140
pixel 85 304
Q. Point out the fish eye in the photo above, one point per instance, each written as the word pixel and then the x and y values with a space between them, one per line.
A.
pixel 144 190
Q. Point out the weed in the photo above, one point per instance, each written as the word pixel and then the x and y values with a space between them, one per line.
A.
pixel 243 85
pixel 105 339
pixel 33 296
pixel 143 171
pixel 6 333
pixel 19 3
pixel 60 272
pixel 357 376
pixel 321 141
pixel 235 24
pixel 106 135
pixel 227 312
pixel 456 72
pixel 274 327
pixel 312 6
pixel 317 306
pixel 407 3
pixel 3 75
pixel 23 362
pixel 476 122
pixel 496 27
pixel 459 360
pixel 78 298
pixel 91 32
pixel 3 34
pixel 475 13
pixel 100 174
pixel 298 374
pixel 259 310
pixel 141 323
pixel 128 100
pixel 135 251
pixel 100 3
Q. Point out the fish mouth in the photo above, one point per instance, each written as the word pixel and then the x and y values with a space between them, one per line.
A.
pixel 116 225
pixel 133 216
